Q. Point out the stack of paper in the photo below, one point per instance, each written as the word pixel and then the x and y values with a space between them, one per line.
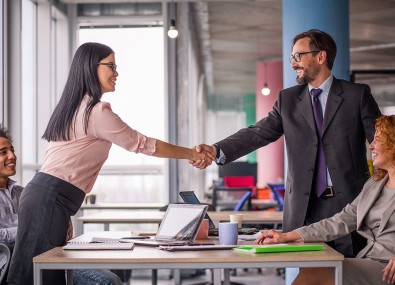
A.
pixel 100 243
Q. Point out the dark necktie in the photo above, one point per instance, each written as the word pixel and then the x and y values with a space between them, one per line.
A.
pixel 320 168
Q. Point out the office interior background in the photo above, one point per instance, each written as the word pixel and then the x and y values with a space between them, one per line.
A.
pixel 197 88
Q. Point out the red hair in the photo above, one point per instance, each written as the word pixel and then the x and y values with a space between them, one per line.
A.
pixel 385 125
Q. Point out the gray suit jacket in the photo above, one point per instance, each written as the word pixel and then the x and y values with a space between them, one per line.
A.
pixel 348 121
pixel 380 246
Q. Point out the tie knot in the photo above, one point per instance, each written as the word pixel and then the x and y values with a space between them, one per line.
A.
pixel 316 92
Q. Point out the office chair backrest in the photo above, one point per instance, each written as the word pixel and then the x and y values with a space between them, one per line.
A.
pixel 239 181
pixel 5 256
pixel 278 191
pixel 239 206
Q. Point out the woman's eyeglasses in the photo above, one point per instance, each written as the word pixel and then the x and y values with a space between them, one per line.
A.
pixel 112 65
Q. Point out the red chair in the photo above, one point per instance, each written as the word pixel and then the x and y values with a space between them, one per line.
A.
pixel 233 190
pixel 239 181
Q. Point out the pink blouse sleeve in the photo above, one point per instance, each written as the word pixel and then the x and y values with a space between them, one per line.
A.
pixel 105 124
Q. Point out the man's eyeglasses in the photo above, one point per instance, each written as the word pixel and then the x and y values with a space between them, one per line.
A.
pixel 297 56
pixel 112 65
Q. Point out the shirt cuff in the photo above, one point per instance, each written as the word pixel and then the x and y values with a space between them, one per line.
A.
pixel 221 158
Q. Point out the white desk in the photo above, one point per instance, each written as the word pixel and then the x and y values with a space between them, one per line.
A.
pixel 78 227
pixel 122 206
pixel 155 217
pixel 142 257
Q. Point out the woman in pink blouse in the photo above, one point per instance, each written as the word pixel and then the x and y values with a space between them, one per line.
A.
pixel 80 133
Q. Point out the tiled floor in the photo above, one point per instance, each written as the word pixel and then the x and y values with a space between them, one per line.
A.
pixel 267 276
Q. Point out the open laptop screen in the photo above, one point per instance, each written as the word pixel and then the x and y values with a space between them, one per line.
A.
pixel 190 198
pixel 181 222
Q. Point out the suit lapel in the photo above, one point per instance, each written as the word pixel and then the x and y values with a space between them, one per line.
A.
pixel 366 202
pixel 305 108
pixel 332 104
pixel 386 215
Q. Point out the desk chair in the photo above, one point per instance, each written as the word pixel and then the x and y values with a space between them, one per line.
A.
pixel 245 199
pixel 234 187
pixel 278 191
pixel 5 255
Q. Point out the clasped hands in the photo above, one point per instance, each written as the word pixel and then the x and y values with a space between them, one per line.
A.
pixel 205 154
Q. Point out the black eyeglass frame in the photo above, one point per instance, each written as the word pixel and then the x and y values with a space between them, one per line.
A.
pixel 112 65
pixel 296 57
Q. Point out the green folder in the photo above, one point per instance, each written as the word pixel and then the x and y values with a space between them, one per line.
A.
pixel 278 248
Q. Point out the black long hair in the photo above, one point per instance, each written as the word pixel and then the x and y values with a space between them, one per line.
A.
pixel 82 79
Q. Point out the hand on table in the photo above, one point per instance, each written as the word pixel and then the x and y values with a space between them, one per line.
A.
pixel 273 236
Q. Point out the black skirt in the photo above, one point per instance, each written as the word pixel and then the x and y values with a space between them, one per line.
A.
pixel 45 208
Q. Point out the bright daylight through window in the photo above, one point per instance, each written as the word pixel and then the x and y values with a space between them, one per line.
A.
pixel 139 100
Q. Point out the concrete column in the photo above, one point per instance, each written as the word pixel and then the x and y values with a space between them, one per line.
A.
pixel 331 17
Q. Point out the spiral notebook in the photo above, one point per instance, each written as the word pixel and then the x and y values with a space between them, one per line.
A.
pixel 99 244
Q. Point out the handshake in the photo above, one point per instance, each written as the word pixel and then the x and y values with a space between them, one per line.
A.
pixel 203 155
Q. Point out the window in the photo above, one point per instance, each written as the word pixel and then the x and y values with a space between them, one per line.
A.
pixel 139 100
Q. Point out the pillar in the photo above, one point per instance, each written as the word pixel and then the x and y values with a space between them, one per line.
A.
pixel 331 17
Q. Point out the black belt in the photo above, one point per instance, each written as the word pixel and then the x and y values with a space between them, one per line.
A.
pixel 328 192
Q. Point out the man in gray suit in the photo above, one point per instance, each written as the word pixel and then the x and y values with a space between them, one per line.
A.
pixel 335 140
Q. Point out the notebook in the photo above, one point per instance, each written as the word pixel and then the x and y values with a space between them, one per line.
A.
pixel 282 247
pixel 190 198
pixel 179 226
pixel 103 244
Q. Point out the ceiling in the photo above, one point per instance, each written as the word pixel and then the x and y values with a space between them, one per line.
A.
pixel 236 34
pixel 243 34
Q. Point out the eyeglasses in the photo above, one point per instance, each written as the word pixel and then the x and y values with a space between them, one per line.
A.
pixel 112 65
pixel 297 56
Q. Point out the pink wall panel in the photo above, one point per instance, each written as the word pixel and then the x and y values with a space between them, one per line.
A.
pixel 270 159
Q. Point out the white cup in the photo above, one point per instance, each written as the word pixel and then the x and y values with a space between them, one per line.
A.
pixel 237 218
pixel 227 233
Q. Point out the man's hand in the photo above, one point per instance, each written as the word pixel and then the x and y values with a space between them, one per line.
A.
pixel 209 150
pixel 389 272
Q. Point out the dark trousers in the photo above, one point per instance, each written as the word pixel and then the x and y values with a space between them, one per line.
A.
pixel 325 207
pixel 46 205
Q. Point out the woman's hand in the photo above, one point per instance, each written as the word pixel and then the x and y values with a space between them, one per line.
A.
pixel 389 271
pixel 273 236
pixel 69 232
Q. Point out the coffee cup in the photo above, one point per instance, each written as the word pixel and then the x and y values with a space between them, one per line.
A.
pixel 203 230
pixel 228 233
pixel 237 218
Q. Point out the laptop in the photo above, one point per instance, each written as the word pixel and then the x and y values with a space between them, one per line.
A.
pixel 190 198
pixel 179 225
